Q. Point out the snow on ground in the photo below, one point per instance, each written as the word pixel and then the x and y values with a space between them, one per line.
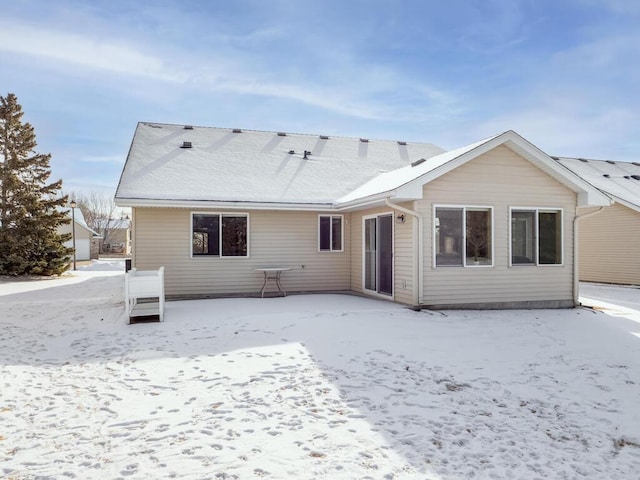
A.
pixel 314 386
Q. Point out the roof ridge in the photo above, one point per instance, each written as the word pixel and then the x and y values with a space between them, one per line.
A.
pixel 276 132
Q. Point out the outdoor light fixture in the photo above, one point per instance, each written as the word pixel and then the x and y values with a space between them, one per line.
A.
pixel 401 218
pixel 73 206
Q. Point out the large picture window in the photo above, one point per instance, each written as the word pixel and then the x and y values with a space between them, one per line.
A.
pixel 536 236
pixel 463 236
pixel 220 235
pixel 330 233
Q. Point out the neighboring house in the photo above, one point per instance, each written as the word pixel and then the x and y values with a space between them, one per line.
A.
pixel 116 234
pixel 610 239
pixel 84 236
pixel 489 225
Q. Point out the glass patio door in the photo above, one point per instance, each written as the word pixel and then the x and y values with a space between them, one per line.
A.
pixel 378 254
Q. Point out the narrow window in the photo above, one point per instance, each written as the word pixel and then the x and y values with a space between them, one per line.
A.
pixel 449 244
pixel 330 233
pixel 550 233
pixel 478 236
pixel 234 236
pixel 206 234
pixel 219 235
pixel 536 237
pixel 523 237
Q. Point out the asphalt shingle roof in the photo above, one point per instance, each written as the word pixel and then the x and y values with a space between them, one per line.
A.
pixel 255 166
pixel 621 180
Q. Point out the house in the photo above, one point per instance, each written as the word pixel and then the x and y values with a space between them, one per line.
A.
pixel 609 241
pixel 116 233
pixel 85 236
pixel 489 225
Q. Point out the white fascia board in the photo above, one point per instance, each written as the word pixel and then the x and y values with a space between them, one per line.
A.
pixel 588 195
pixel 310 207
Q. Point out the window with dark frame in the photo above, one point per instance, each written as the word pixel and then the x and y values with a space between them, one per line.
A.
pixel 330 233
pixel 220 235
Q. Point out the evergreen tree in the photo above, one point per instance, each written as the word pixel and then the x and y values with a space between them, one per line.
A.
pixel 30 208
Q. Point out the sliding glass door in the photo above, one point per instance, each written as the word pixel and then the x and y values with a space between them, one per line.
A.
pixel 378 254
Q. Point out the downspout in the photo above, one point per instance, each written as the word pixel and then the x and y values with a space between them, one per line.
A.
pixel 418 293
pixel 576 280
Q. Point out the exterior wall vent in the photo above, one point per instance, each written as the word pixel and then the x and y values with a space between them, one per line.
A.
pixel 418 162
pixel 236 130
pixel 324 137
pixel 401 142
pixel 282 134
pixel 364 140
pixel 186 145
pixel 188 127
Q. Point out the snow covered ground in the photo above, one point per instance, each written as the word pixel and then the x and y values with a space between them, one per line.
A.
pixel 316 386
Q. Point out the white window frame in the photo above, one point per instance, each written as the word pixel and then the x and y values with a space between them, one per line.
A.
pixel 220 214
pixel 537 211
pixel 464 235
pixel 342 230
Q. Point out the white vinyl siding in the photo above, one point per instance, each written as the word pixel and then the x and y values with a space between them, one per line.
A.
pixel 609 244
pixel 162 237
pixel 500 179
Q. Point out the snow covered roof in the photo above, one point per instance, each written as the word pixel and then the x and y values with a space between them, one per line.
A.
pixel 620 180
pixel 406 183
pixel 80 221
pixel 118 223
pixel 178 165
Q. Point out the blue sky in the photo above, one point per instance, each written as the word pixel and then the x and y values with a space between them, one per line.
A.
pixel 564 74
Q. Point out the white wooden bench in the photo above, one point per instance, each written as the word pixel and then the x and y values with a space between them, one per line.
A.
pixel 144 284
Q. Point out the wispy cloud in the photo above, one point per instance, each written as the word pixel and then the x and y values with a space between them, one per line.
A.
pixel 82 51
pixel 370 96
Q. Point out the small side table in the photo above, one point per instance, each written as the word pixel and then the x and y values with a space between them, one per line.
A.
pixel 274 274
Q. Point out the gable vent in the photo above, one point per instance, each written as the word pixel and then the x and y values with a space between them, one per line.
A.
pixel 186 145
pixel 418 162
pixel 611 162
pixel 324 137
pixel 401 142
pixel 236 130
pixel 282 134
pixel 188 127
pixel 364 140
pixel 606 175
